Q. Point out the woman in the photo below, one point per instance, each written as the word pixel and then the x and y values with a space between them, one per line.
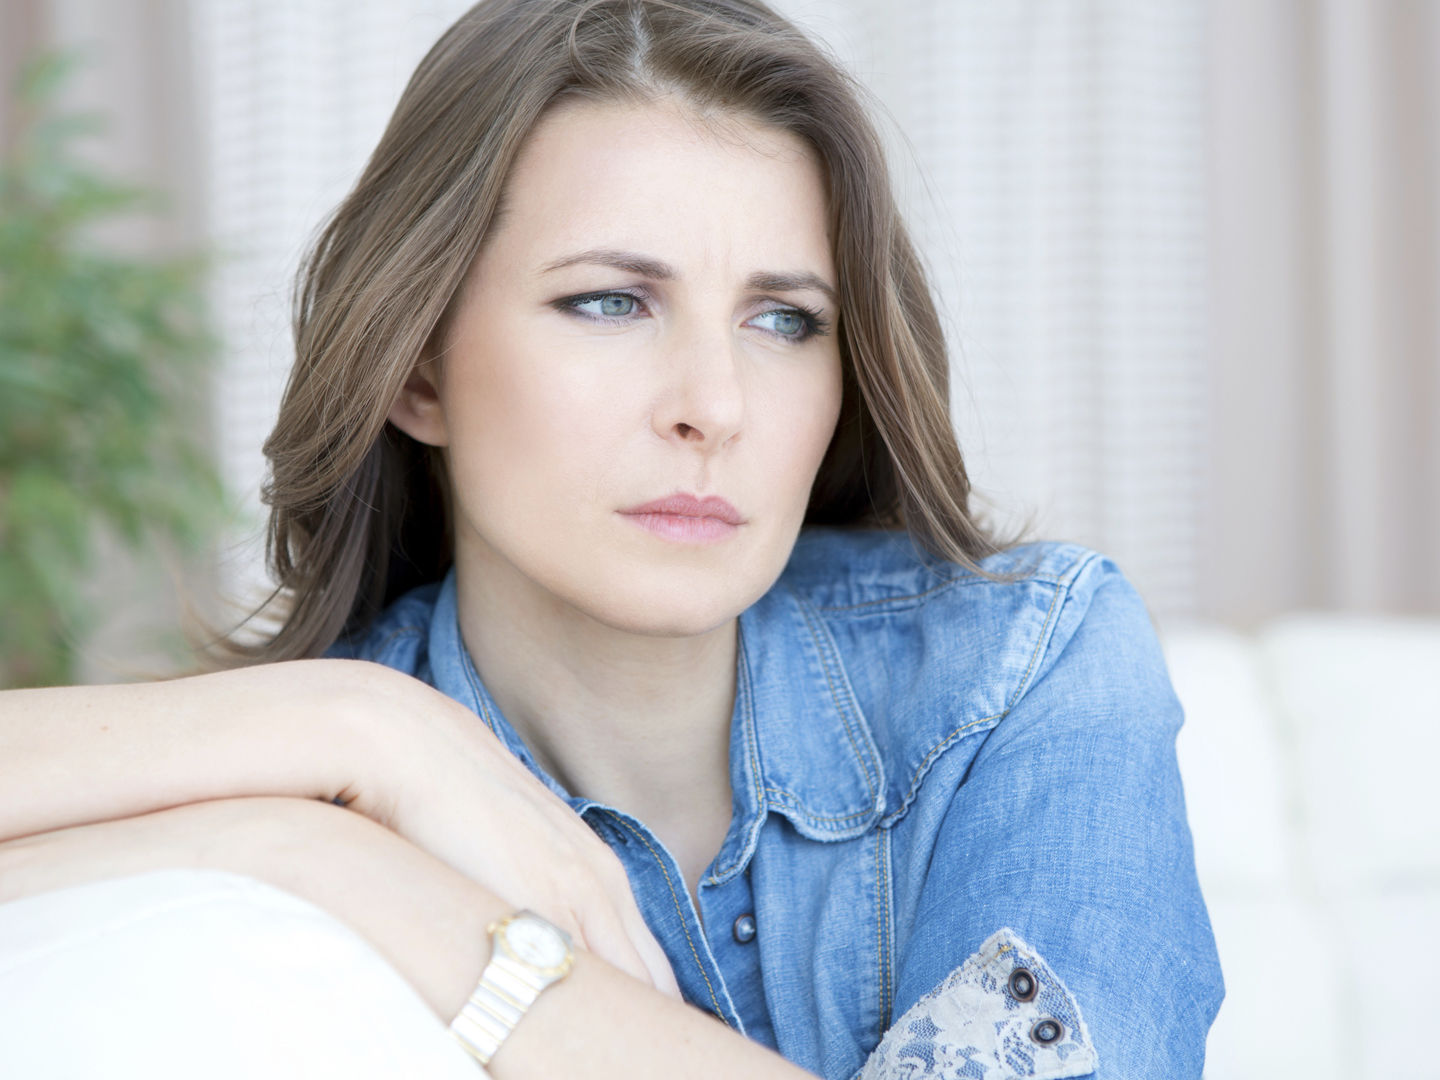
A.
pixel 620 304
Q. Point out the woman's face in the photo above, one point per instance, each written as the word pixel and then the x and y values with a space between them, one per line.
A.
pixel 643 374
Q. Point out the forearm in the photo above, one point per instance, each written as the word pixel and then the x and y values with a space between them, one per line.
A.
pixel 387 745
pixel 426 919
pixel 430 923
pixel 423 917
pixel 599 1023
pixel 74 755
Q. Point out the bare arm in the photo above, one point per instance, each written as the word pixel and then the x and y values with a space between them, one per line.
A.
pixel 80 754
pixel 425 918
pixel 389 746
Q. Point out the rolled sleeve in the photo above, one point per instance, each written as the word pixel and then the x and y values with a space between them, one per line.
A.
pixel 1069 827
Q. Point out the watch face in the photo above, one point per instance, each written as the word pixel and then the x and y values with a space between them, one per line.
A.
pixel 536 943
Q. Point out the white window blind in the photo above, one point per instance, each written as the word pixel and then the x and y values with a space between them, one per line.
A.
pixel 295 95
pixel 1060 202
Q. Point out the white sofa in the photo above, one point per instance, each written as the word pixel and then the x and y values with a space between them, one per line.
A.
pixel 1311 760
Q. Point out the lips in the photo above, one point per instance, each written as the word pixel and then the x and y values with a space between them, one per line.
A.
pixel 686 518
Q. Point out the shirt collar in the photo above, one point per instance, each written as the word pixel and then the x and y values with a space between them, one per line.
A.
pixel 799 742
pixel 817 758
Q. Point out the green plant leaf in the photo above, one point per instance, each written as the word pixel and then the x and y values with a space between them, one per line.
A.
pixel 103 362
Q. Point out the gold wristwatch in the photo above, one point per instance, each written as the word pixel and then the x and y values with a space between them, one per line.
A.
pixel 527 954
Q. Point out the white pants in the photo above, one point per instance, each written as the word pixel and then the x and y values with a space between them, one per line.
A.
pixel 205 976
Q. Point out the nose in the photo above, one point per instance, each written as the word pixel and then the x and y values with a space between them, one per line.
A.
pixel 702 403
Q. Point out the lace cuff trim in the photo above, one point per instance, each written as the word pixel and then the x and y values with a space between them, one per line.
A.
pixel 1002 1014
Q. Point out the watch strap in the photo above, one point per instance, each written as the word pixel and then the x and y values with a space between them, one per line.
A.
pixel 506 991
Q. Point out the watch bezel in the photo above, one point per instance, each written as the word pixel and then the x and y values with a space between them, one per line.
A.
pixel 498 935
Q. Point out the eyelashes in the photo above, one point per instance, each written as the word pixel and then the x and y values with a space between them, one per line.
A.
pixel 811 323
pixel 608 306
pixel 614 307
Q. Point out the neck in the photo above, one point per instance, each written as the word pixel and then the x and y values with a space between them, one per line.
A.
pixel 637 722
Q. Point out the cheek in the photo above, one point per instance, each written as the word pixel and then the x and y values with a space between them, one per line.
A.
pixel 530 441
pixel 795 430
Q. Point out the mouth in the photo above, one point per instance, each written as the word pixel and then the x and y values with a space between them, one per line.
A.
pixel 686 518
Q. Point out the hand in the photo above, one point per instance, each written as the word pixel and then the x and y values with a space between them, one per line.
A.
pixel 386 744
pixel 449 786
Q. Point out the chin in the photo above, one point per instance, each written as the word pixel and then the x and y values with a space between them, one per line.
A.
pixel 671 605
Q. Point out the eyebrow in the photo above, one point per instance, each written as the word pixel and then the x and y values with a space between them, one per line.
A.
pixel 769 282
pixel 761 281
pixel 619 260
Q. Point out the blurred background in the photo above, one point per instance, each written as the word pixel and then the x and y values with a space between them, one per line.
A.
pixel 1189 252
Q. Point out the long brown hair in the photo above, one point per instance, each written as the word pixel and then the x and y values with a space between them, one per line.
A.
pixel 358 509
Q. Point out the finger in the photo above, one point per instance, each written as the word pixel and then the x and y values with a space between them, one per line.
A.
pixel 662 976
pixel 606 935
pixel 632 923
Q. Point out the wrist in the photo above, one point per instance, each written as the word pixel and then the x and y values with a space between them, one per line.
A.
pixel 528 955
pixel 425 918
pixel 365 731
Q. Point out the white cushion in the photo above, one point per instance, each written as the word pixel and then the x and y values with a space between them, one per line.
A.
pixel 1230 759
pixel 1309 756
pixel 1283 1012
pixel 177 974
pixel 1362 697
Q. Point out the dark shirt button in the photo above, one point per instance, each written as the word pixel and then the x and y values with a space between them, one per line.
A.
pixel 744 929
pixel 1022 984
pixel 1047 1032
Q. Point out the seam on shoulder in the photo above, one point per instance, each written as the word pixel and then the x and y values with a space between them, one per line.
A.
pixel 903 597
pixel 918 776
pixel 965 578
pixel 1042 640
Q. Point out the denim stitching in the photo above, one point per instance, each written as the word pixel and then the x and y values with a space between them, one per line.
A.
pixel 889 930
pixel 900 599
pixel 679 911
pixel 795 804
pixel 879 937
pixel 825 662
pixel 473 677
pixel 945 743
pixel 751 737
pixel 1040 641
pixel 760 789
pixel 882 925
pixel 1048 579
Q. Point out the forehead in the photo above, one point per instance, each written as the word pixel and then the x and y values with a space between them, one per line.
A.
pixel 660 178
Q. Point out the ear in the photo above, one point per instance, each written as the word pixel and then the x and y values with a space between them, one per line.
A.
pixel 417 410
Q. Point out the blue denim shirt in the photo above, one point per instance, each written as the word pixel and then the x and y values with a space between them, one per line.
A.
pixel 957 819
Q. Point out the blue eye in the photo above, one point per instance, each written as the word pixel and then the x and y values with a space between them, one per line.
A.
pixel 607 305
pixel 787 322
